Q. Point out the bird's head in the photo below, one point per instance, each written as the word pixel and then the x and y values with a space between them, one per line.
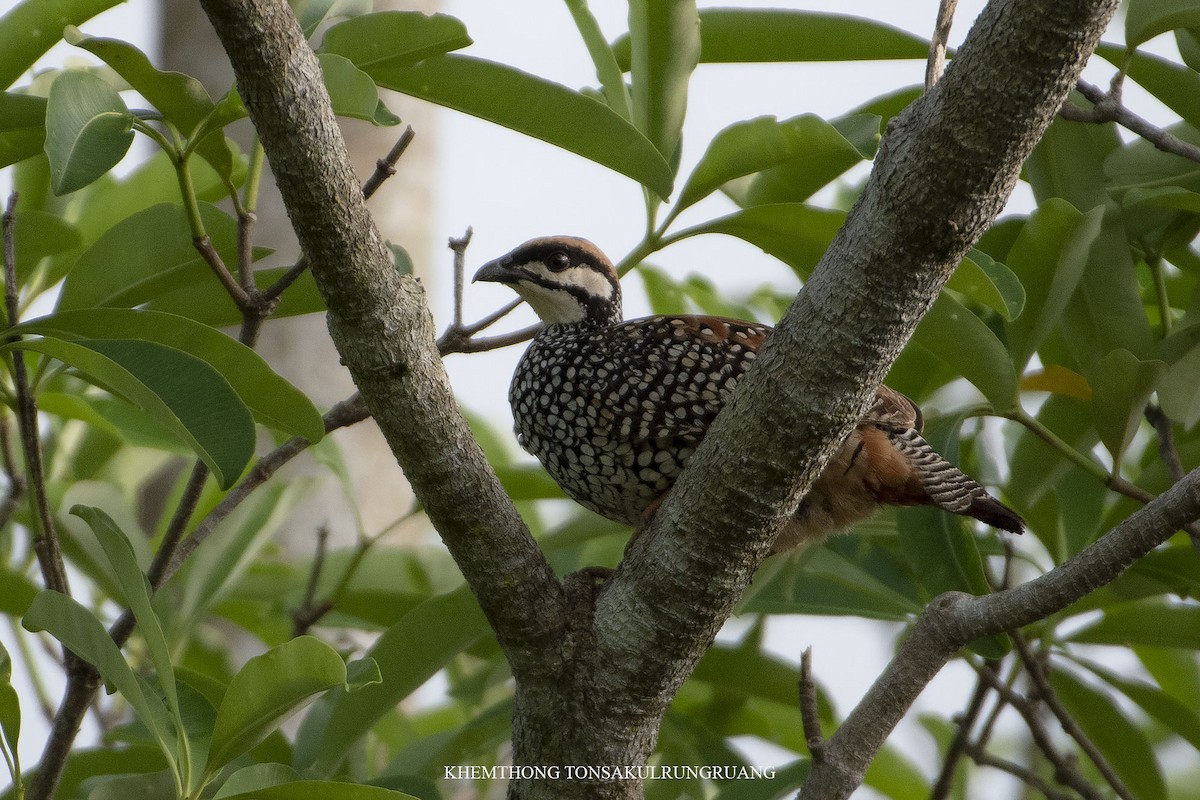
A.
pixel 565 279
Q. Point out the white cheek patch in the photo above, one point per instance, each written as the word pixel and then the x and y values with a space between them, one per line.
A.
pixel 556 305
pixel 552 305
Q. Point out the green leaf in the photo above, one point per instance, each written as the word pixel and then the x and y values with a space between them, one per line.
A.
pixel 813 151
pixel 1188 43
pixel 321 790
pixel 616 93
pixel 16 591
pixel 665 37
pixel 1144 623
pixel 79 630
pixel 1049 257
pixel 394 38
pixel 795 233
pixel 827 583
pixel 32 27
pixel 1122 743
pixel 271 399
pixel 311 13
pixel 1154 701
pixel 136 591
pixel 207 302
pixel 962 340
pixel 1121 385
pixel 178 389
pixel 731 35
pixel 88 130
pixel 145 255
pixel 10 710
pixel 267 690
pixel 37 235
pixel 124 787
pixel 351 90
pixel 408 653
pixel 535 107
pixel 22 127
pixel 181 99
pixel 1177 391
pixel 1145 19
pixel 256 776
pixel 987 281
pixel 1172 197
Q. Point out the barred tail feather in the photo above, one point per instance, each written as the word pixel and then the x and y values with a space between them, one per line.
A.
pixel 949 488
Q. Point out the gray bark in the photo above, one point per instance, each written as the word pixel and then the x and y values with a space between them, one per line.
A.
pixel 592 687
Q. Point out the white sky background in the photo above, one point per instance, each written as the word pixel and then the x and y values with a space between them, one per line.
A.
pixel 510 188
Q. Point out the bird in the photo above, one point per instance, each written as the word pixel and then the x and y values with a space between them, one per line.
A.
pixel 614 408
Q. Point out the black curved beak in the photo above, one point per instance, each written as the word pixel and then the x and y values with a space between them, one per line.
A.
pixel 498 271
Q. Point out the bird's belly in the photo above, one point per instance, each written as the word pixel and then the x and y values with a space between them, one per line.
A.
pixel 599 462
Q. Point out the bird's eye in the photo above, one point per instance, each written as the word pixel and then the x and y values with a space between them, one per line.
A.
pixel 558 261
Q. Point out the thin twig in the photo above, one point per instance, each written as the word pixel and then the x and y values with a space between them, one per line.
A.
pixel 304 617
pixel 1046 693
pixel 204 247
pixel 459 246
pixel 936 62
pixel 1108 108
pixel 1135 492
pixel 386 166
pixel 1027 776
pixel 960 744
pixel 810 715
pixel 179 520
pixel 472 345
pixel 45 545
pixel 246 221
pixel 1065 771
pixel 1168 451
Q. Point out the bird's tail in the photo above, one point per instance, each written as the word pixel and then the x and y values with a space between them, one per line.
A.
pixel 948 487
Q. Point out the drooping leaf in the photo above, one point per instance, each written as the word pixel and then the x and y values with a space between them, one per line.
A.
pixel 533 106
pixel 321 790
pixel 1145 19
pixel 1144 623
pixel 88 130
pixel 1154 701
pixel 1122 743
pixel 1121 385
pixel 352 91
pixel 145 255
pixel 36 235
pixel 136 590
pixel 795 233
pixel 730 35
pixel 178 389
pixel 271 399
pixel 22 127
pixel 32 27
pixel 408 654
pixel 665 48
pixel 394 38
pixel 1049 256
pixel 267 690
pixel 959 338
pixel 616 93
pixel 987 281
pixel 81 632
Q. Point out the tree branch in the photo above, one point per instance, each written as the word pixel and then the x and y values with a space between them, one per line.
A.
pixel 945 169
pixel 953 620
pixel 382 328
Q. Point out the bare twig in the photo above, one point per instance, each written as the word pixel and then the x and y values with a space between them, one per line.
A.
pixel 459 246
pixel 45 544
pixel 1037 674
pixel 386 166
pixel 246 221
pixel 304 617
pixel 1065 771
pixel 936 61
pixel 204 247
pixel 1026 776
pixel 1169 452
pixel 1108 108
pixel 460 338
pixel 179 521
pixel 960 744
pixel 810 715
